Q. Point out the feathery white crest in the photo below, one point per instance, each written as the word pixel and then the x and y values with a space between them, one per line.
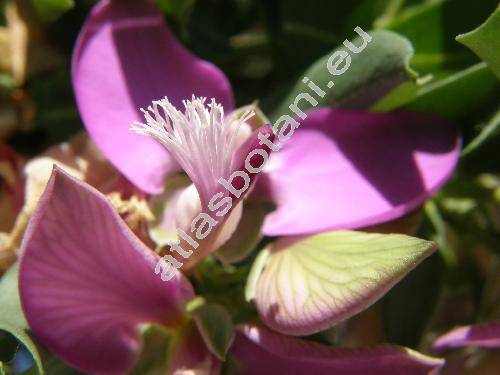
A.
pixel 201 139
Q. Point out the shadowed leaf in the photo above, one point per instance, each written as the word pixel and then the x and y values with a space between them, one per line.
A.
pixel 485 41
pixel 216 328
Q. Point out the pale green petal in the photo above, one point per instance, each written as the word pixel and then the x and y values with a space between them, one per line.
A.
pixel 306 285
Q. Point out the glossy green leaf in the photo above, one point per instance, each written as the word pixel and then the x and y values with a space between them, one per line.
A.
pixel 50 10
pixel 450 91
pixel 431 26
pixel 457 95
pixel 375 71
pixel 11 315
pixel 485 41
pixel 310 284
pixel 216 328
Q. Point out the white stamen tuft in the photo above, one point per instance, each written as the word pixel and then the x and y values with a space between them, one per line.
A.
pixel 201 139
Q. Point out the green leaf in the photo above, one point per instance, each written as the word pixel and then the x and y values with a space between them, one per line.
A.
pixel 492 128
pixel 450 90
pixel 398 97
pixel 11 315
pixel 441 236
pixel 432 26
pixel 457 95
pixel 392 8
pixel 310 284
pixel 485 41
pixel 380 67
pixel 216 328
pixel 50 10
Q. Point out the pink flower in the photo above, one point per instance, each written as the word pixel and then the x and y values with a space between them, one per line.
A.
pixel 87 283
pixel 338 170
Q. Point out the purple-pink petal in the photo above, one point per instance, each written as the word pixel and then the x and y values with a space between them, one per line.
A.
pixel 345 170
pixel 486 335
pixel 257 350
pixel 86 281
pixel 125 58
